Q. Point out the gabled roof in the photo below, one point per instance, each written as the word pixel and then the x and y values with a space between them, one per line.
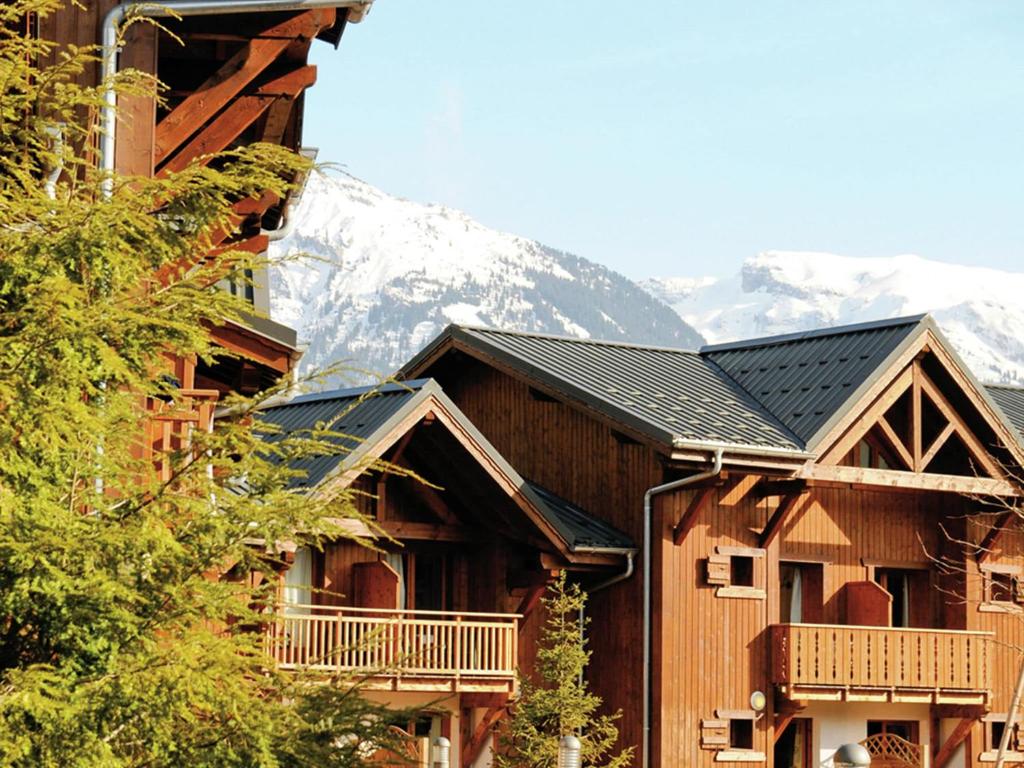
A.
pixel 371 418
pixel 808 380
pixel 779 395
pixel 1011 401
pixel 355 415
pixel 669 395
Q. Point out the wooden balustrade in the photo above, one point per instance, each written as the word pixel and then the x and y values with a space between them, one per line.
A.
pixel 428 650
pixel 171 425
pixel 856 663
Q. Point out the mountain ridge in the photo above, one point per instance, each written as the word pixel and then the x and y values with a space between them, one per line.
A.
pixel 386 275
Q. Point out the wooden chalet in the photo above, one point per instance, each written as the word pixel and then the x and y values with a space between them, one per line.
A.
pixel 236 72
pixel 823 518
pixel 437 607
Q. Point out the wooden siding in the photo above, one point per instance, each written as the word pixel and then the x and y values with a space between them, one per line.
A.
pixel 1006 621
pixel 586 462
pixel 711 652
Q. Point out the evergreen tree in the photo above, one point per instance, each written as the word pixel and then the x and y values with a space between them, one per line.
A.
pixel 558 703
pixel 118 646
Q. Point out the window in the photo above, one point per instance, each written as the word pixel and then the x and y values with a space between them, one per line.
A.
pixel 731 735
pixel 742 571
pixel 800 592
pixel 1001 587
pixel 908 730
pixel 737 572
pixel 741 734
pixel 995 727
pixel 896 582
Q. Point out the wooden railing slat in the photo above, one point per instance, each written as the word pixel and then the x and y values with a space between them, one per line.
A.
pixel 430 644
pixel 879 657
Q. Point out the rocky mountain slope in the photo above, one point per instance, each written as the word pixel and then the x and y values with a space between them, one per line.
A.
pixel 384 275
pixel 980 310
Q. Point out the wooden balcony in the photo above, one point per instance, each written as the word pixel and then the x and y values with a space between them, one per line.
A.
pixel 856 663
pixel 400 650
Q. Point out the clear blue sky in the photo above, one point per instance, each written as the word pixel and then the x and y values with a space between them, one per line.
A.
pixel 677 138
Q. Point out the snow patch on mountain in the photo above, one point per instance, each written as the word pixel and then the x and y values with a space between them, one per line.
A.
pixel 382 276
pixel 980 310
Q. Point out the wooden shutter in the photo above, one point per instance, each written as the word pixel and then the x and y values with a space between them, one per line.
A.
pixel 1017 584
pixel 376 585
pixel 714 734
pixel 718 570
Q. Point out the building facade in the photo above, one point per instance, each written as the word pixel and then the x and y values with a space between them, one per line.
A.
pixel 827 519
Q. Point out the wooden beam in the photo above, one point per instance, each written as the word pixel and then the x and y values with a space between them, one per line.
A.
pixel 532 599
pixel 992 536
pixel 979 451
pixel 492 700
pixel 778 518
pixel 691 514
pixel 483 731
pixel 936 446
pixel 869 417
pixel 433 502
pixel 782 721
pixel 243 112
pixel 956 738
pixel 916 420
pixel 888 478
pixel 897 444
pixel 396 454
pixel 397 529
pixel 230 79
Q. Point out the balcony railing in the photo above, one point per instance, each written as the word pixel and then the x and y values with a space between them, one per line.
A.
pixel 826 661
pixel 413 650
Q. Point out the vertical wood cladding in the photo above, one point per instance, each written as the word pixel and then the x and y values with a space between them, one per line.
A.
pixel 711 652
pixel 582 460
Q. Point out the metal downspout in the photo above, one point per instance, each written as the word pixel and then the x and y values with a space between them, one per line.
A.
pixel 111 27
pixel 716 468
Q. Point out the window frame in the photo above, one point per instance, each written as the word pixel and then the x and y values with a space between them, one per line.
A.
pixel 1015 574
pixel 759 567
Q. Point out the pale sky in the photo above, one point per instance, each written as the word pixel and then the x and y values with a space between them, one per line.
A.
pixel 678 138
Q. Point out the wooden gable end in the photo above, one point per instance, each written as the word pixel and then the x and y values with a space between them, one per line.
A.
pixel 926 416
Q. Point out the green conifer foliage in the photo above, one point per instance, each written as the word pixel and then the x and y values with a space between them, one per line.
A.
pixel 117 646
pixel 558 703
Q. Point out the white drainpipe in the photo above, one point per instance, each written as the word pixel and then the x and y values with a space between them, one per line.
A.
pixel 116 16
pixel 716 468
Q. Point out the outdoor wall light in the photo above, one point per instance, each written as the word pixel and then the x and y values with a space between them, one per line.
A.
pixel 442 752
pixel 758 701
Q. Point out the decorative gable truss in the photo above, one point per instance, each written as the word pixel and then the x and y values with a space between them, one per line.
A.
pixel 926 416
pixel 912 426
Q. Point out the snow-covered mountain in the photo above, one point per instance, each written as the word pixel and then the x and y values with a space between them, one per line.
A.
pixel 386 275
pixel 980 310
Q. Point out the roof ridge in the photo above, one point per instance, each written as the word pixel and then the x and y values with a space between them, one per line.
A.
pixel 349 392
pixel 1012 387
pixel 814 333
pixel 571 339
